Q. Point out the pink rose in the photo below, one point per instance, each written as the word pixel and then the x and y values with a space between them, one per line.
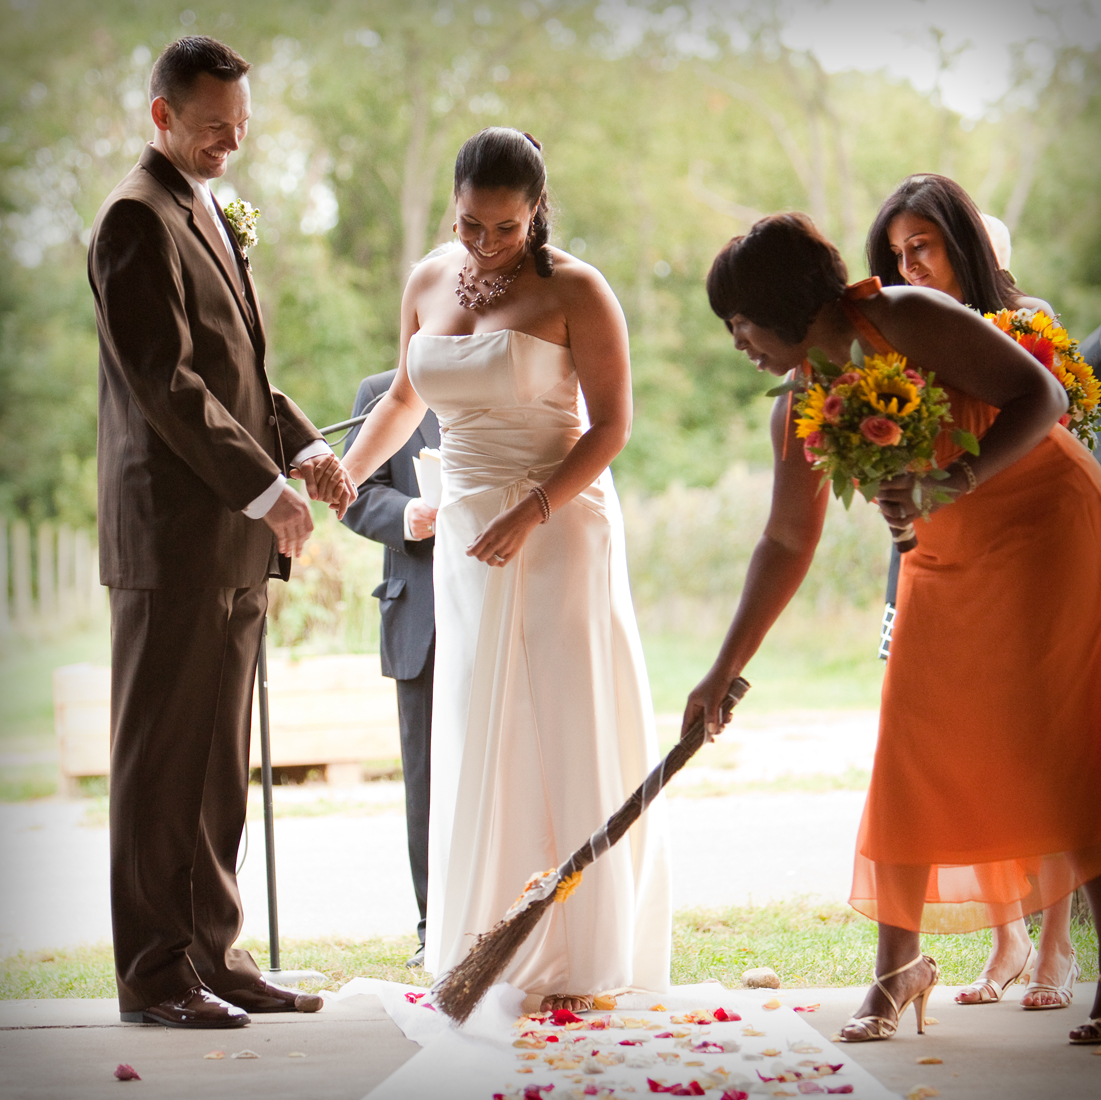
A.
pixel 847 379
pixel 833 407
pixel 880 430
pixel 914 377
pixel 815 439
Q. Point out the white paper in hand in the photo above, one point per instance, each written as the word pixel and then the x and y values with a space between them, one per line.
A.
pixel 429 476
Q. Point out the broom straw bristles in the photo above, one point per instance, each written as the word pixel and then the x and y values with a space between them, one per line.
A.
pixel 467 982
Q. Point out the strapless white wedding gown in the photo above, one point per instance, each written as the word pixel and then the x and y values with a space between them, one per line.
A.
pixel 542 720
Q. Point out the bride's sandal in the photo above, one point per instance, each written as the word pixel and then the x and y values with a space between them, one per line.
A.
pixel 1064 992
pixel 1089 1032
pixel 555 1001
pixel 863 1029
pixel 987 991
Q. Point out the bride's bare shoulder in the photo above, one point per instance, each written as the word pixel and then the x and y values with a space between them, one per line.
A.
pixel 577 279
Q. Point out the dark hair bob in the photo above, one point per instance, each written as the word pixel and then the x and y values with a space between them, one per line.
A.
pixel 950 208
pixel 502 157
pixel 778 275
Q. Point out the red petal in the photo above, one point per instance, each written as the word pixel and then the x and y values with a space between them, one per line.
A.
pixel 412 998
pixel 127 1073
pixel 841 1088
pixel 630 1042
pixel 810 1086
pixel 664 1035
pixel 734 1094
pixel 723 1016
pixel 565 1016
pixel 655 1087
pixel 763 1077
pixel 551 1038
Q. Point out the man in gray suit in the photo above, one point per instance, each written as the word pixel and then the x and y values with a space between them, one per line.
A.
pixel 389 510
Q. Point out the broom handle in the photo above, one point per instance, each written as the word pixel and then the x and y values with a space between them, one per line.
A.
pixel 631 810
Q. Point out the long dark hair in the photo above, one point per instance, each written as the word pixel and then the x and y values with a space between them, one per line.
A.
pixel 950 208
pixel 778 275
pixel 502 157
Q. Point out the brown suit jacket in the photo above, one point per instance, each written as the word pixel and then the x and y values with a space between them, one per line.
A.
pixel 190 431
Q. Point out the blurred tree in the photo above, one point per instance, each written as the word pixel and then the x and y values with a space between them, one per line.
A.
pixel 667 128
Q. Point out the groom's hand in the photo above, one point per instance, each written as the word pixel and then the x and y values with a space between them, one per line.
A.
pixel 289 517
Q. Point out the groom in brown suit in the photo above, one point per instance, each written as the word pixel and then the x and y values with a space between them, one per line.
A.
pixel 195 514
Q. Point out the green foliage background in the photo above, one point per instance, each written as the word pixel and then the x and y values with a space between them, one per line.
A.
pixel 657 155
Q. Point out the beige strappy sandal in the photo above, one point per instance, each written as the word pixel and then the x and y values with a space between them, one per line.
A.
pixel 864 1029
pixel 1064 993
pixel 555 1001
pixel 1089 1032
pixel 989 991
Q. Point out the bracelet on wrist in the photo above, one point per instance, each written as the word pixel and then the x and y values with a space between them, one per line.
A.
pixel 542 500
pixel 972 481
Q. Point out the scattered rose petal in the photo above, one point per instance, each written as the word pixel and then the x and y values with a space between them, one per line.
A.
pixel 932 1020
pixel 562 1016
pixel 127 1073
pixel 771 1052
pixel 735 1094
pixel 245 1054
pixel 604 1003
pixel 771 1005
pixel 657 1008
pixel 807 1008
pixel 296 1054
pixel 215 1055
pixel 840 1089
pixel 749 1030
pixel 804 1047
pixel 723 1016
pixel 412 998
pixel 922 1092
pixel 524 1069
pixel 930 1061
pixel 809 1086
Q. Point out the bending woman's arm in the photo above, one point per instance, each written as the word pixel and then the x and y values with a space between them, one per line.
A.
pixel 777 568
pixel 598 344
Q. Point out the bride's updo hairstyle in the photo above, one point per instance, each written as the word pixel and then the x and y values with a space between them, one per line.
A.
pixel 949 207
pixel 778 275
pixel 502 157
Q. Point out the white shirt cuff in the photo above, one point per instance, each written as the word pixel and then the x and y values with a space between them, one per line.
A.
pixel 312 450
pixel 409 536
pixel 263 503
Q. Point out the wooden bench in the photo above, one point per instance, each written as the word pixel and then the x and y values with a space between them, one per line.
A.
pixel 337 712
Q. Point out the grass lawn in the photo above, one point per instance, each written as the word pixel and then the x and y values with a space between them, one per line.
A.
pixel 807 943
pixel 806 663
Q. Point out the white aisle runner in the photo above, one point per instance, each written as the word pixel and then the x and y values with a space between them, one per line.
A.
pixel 677 1044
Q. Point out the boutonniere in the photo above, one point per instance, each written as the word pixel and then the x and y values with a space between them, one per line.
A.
pixel 242 217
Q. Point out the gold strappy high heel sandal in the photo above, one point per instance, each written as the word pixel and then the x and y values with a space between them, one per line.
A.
pixel 988 991
pixel 864 1029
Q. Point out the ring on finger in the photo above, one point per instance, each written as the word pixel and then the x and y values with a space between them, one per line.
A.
pixel 497 557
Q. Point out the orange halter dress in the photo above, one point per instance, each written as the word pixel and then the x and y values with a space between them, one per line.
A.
pixel 988 764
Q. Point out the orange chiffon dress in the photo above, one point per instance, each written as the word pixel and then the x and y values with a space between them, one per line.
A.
pixel 986 786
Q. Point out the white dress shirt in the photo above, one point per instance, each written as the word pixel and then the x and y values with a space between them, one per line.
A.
pixel 259 507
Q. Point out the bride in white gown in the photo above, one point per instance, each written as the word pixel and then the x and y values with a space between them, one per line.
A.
pixel 542 720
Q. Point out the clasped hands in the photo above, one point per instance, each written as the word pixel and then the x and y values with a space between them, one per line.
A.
pixel 326 479
pixel 289 517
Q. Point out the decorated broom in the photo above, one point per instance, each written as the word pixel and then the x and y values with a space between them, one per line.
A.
pixel 466 984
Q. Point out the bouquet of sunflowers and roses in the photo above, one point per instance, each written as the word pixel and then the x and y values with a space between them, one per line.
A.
pixel 871 420
pixel 1046 340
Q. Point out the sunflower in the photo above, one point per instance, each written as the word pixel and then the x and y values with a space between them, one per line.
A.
pixel 812 410
pixel 888 391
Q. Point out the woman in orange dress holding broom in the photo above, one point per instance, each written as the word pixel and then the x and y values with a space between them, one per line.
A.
pixel 997 650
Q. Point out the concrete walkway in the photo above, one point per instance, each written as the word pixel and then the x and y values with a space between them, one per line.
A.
pixel 342 872
pixel 56 1050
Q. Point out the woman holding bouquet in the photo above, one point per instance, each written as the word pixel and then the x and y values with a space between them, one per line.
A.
pixel 930 233
pixel 997 653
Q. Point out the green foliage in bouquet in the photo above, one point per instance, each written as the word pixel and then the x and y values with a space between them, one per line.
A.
pixel 872 420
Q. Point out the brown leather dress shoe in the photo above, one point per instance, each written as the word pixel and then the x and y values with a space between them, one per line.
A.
pixel 269 997
pixel 196 1008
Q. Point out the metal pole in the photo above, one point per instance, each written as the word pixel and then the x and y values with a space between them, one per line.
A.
pixel 269 809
